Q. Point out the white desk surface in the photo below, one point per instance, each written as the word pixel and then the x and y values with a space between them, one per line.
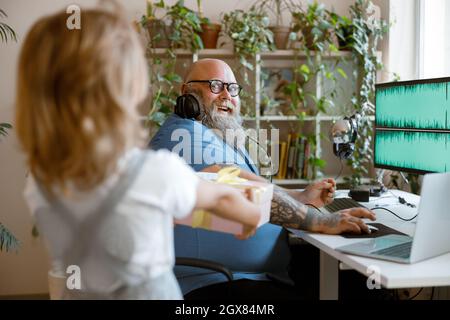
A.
pixel 427 273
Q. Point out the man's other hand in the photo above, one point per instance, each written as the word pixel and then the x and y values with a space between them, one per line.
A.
pixel 319 193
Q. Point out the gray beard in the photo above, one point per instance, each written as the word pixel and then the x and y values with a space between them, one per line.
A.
pixel 229 128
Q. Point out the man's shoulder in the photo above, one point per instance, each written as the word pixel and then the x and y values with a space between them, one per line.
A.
pixel 176 127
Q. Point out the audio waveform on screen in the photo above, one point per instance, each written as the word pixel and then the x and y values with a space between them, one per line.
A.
pixel 413 106
pixel 416 150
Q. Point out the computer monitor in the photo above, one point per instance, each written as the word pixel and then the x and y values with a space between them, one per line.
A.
pixel 412 126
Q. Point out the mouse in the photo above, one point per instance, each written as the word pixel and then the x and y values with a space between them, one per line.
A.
pixel 372 228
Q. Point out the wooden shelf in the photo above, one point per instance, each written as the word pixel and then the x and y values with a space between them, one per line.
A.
pixel 227 52
pixel 286 182
pixel 295 118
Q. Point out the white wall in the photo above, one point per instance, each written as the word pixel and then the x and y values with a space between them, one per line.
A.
pixel 26 272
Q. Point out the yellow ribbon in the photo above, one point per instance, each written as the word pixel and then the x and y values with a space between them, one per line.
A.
pixel 227 175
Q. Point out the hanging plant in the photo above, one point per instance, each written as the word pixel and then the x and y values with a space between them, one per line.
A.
pixel 312 31
pixel 367 32
pixel 8 241
pixel 182 29
pixel 250 35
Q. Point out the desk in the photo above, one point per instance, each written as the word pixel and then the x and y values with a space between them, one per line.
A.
pixel 429 273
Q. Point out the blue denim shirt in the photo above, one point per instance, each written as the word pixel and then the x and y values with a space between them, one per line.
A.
pixel 266 251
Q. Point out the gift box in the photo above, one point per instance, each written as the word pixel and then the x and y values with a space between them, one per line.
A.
pixel 260 194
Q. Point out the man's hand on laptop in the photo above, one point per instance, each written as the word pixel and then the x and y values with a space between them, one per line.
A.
pixel 347 220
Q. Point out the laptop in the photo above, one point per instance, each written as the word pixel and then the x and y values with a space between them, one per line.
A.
pixel 432 234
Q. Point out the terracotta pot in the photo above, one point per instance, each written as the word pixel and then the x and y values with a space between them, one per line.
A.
pixel 159 33
pixel 210 35
pixel 280 36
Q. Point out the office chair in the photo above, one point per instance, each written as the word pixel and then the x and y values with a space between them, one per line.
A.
pixel 205 258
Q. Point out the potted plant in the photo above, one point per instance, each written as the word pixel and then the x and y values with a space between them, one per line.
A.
pixel 314 26
pixel 276 8
pixel 210 31
pixel 185 29
pixel 343 28
pixel 367 32
pixel 158 30
pixel 250 35
pixel 8 241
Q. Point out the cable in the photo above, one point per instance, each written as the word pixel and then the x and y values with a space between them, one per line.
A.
pixel 381 208
pixel 340 171
pixel 402 200
pixel 414 296
pixel 267 154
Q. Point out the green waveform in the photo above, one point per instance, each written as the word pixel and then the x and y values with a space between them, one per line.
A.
pixel 414 106
pixel 425 151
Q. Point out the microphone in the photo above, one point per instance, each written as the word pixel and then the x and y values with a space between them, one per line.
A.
pixel 343 135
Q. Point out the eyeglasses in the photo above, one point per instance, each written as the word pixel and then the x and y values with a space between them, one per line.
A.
pixel 217 86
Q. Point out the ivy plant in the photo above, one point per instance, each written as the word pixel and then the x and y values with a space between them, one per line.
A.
pixel 185 29
pixel 8 241
pixel 367 32
pixel 312 30
pixel 250 35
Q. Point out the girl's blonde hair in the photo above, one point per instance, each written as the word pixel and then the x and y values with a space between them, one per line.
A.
pixel 77 97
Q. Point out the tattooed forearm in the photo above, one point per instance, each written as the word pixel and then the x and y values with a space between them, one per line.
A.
pixel 289 213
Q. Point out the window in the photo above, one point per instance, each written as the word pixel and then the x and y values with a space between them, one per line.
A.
pixel 434 44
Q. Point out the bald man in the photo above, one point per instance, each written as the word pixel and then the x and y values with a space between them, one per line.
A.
pixel 197 133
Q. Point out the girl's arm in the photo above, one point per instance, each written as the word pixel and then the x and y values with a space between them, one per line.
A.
pixel 228 203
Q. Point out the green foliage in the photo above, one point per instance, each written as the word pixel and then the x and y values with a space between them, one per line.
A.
pixel 312 28
pixel 6 32
pixel 275 7
pixel 185 28
pixel 8 241
pixel 250 35
pixel 4 127
pixel 367 32
pixel 344 29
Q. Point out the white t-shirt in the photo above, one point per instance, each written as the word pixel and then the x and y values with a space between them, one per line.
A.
pixel 140 231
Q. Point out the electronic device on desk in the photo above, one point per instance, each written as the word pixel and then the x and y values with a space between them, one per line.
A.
pixel 412 126
pixel 341 204
pixel 431 237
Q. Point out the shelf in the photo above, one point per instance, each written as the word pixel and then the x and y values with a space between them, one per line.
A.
pixel 291 53
pixel 287 182
pixel 295 118
pixel 264 55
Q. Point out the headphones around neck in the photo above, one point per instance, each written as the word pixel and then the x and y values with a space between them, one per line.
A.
pixel 344 133
pixel 187 106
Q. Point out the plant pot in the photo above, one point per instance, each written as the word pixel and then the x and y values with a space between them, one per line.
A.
pixel 159 33
pixel 280 36
pixel 308 38
pixel 210 34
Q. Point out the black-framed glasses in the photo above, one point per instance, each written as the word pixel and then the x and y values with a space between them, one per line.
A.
pixel 217 86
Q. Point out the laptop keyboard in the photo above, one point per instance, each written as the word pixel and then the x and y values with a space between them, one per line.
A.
pixel 402 250
pixel 342 203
